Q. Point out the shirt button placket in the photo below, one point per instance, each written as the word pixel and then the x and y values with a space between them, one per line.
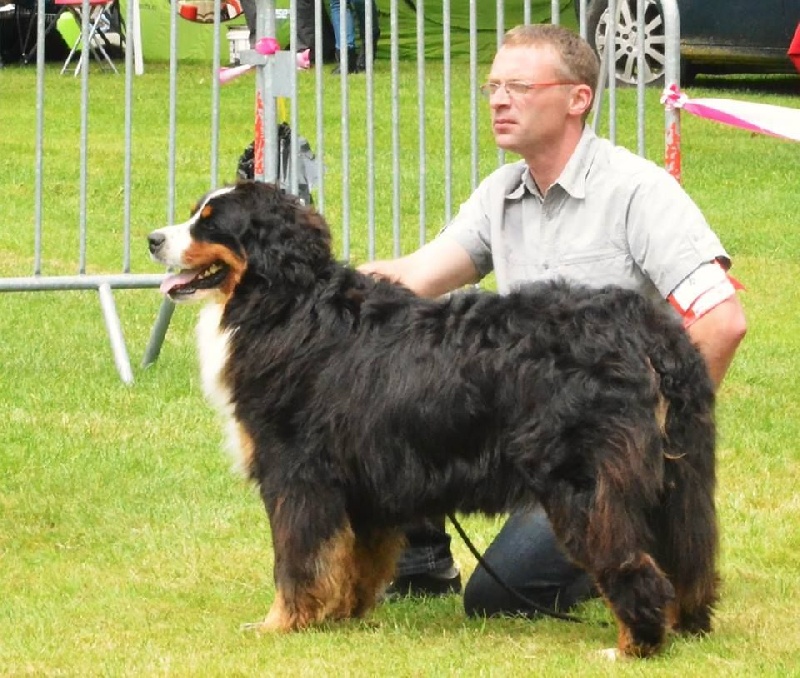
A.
pixel 548 231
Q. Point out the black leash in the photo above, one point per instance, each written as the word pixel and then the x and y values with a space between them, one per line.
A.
pixel 515 594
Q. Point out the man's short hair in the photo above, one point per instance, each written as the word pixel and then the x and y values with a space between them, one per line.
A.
pixel 578 59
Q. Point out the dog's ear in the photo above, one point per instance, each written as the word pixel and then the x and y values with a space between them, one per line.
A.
pixel 285 239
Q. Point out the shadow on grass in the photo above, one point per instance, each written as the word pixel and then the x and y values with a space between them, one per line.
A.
pixel 762 84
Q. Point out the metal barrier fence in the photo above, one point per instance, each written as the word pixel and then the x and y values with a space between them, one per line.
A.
pixel 277 79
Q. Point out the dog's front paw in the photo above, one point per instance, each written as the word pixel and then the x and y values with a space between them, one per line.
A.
pixel 278 619
pixel 611 654
pixel 267 626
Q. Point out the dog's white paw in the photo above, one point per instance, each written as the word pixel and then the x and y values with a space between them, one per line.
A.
pixel 263 627
pixel 252 626
pixel 611 654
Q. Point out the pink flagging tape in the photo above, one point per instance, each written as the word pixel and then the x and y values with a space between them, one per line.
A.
pixel 777 121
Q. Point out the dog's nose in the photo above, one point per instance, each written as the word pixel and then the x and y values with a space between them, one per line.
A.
pixel 155 241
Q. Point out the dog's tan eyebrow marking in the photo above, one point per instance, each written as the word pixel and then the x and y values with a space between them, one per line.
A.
pixel 204 205
pixel 200 207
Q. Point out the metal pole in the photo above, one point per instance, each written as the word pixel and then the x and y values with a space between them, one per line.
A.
pixel 672 74
pixel 320 109
pixel 395 60
pixel 158 333
pixel 448 111
pixel 640 84
pixel 369 33
pixel 266 141
pixel 473 93
pixel 114 330
pixel 423 167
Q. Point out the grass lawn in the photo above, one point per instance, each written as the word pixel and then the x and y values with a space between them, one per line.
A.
pixel 126 545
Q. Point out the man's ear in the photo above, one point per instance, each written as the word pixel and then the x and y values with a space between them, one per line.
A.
pixel 581 100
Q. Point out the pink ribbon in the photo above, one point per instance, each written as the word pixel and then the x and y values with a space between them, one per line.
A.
pixel 777 121
pixel 265 46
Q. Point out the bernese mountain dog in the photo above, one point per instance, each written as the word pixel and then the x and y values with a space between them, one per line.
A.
pixel 358 407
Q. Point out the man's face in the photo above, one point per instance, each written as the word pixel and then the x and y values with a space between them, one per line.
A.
pixel 527 120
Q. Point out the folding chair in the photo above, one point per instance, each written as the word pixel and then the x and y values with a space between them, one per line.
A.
pixel 99 24
pixel 26 12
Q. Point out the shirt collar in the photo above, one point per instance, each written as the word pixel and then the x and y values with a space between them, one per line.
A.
pixel 572 178
pixel 523 184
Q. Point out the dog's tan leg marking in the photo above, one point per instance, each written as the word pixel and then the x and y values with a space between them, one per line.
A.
pixel 330 596
pixel 673 612
pixel 278 618
pixel 627 646
pixel 376 558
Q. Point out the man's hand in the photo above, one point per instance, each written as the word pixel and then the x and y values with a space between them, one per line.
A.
pixel 385 269
pixel 436 268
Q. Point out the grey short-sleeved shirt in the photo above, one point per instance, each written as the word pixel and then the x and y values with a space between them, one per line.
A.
pixel 612 217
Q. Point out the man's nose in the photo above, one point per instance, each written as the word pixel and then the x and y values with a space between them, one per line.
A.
pixel 499 97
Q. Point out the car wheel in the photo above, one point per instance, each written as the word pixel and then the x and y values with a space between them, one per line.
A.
pixel 627 62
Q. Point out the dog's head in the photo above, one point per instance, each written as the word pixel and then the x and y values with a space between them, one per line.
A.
pixel 247 231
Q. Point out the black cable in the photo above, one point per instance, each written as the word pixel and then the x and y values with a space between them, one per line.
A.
pixel 516 594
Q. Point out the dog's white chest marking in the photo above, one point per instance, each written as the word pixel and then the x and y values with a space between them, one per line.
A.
pixel 213 344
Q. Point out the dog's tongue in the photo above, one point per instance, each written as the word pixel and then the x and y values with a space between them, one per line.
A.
pixel 172 281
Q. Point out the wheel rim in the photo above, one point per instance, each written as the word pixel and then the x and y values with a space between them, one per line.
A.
pixel 626 57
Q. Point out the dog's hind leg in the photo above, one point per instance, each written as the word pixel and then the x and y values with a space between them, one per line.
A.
pixel 685 525
pixel 315 561
pixel 688 537
pixel 376 556
pixel 610 540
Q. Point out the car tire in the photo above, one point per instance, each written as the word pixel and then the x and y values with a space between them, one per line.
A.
pixel 627 60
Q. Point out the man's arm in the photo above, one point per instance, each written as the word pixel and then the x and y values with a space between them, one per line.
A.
pixel 436 268
pixel 717 335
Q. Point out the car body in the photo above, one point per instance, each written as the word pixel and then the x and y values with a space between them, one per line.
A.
pixel 717 36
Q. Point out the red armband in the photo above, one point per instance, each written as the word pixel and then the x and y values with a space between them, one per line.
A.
pixel 701 291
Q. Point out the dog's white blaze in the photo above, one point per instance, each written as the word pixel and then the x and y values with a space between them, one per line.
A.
pixel 178 237
pixel 213 345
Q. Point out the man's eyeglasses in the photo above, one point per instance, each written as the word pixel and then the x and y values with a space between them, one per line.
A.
pixel 516 88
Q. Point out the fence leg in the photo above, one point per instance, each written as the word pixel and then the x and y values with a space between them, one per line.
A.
pixel 158 333
pixel 114 329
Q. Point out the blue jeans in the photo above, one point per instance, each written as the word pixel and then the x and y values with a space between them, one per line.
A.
pixel 525 554
pixel 428 548
pixel 359 9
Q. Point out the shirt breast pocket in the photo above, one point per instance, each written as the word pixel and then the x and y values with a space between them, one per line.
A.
pixel 596 268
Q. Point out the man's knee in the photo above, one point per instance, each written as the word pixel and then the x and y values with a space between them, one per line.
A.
pixel 479 601
pixel 484 597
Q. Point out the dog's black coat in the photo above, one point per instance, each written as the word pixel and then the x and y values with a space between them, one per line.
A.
pixel 367 407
